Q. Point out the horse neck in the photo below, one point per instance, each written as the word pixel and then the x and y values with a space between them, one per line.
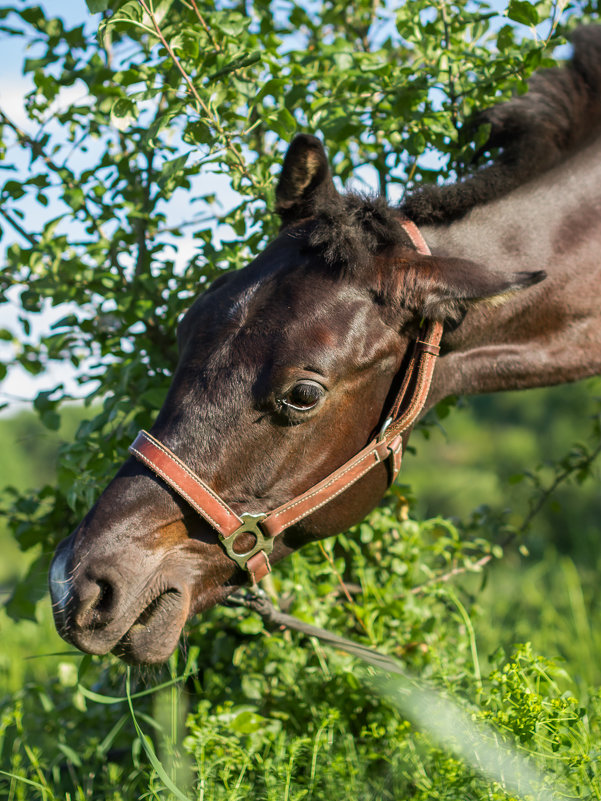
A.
pixel 550 333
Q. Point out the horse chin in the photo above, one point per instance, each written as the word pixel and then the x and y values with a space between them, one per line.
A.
pixel 154 636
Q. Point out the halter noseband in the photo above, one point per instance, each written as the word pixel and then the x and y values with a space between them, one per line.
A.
pixel 386 446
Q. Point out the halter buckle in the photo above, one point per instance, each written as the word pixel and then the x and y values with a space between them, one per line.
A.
pixel 386 424
pixel 250 525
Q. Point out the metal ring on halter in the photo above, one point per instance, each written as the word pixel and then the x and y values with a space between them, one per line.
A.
pixel 250 525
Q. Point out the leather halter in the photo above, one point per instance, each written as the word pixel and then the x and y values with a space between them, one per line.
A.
pixel 386 446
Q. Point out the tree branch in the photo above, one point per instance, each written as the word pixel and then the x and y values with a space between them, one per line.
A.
pixel 19 228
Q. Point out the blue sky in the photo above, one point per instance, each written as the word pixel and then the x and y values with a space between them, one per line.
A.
pixel 19 384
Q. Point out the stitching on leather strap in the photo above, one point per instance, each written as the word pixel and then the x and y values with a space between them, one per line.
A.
pixel 171 482
pixel 170 455
pixel 329 498
pixel 422 384
pixel 325 486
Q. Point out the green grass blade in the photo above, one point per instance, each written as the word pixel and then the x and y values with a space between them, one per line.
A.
pixel 118 699
pixel 37 785
pixel 149 749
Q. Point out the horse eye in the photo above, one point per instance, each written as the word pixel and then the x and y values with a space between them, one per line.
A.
pixel 303 396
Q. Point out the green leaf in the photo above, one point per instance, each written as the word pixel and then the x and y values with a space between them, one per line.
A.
pixel 522 11
pixel 271 87
pixel 161 9
pixel 247 721
pixel 98 6
pixel 286 120
pixel 51 420
pixel 132 10
pixel 153 398
pixel 231 22
pixel 123 113
pixel 171 169
pixel 70 753
pixel 30 589
pixel 505 38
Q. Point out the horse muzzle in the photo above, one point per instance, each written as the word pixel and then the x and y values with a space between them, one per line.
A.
pixel 138 614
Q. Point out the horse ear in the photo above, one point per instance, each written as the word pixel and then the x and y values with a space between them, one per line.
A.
pixel 305 179
pixel 445 288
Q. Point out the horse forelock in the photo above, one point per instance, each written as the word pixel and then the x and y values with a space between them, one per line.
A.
pixel 351 229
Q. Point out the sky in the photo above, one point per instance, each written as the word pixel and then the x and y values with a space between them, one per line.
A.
pixel 19 387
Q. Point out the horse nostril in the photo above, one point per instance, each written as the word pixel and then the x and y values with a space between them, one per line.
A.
pixel 105 599
pixel 96 603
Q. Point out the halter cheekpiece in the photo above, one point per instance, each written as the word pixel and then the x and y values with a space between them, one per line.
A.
pixel 386 446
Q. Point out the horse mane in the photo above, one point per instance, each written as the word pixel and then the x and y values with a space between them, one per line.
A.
pixel 534 133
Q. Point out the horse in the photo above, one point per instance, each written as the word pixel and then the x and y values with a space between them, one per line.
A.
pixel 321 350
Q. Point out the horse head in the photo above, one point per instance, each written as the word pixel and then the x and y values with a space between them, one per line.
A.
pixel 286 369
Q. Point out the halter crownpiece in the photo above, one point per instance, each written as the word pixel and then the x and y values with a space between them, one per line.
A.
pixel 385 447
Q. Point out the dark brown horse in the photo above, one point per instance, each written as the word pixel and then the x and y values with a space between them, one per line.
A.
pixel 289 366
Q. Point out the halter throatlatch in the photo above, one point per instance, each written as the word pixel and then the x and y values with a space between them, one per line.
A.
pixel 386 447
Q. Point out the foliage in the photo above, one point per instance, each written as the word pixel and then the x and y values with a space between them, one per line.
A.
pixel 276 717
pixel 174 99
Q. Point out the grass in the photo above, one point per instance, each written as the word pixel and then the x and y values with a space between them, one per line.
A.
pixel 273 717
pixel 551 604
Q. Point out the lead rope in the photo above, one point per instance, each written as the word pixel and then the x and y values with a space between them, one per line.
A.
pixel 255 599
